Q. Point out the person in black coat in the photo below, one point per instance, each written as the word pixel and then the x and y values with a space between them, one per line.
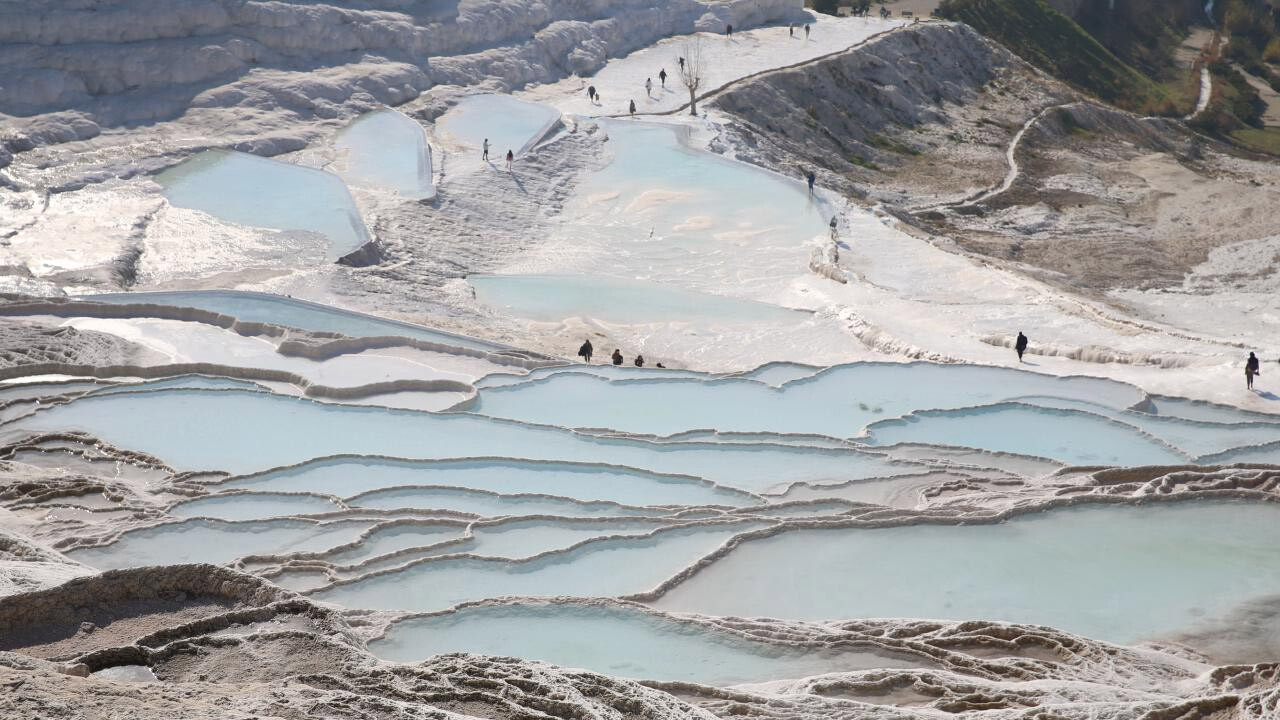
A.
pixel 584 352
pixel 1020 345
pixel 1251 367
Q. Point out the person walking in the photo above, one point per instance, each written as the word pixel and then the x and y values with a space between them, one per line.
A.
pixel 591 93
pixel 806 31
pixel 662 75
pixel 617 356
pixel 1251 367
pixel 584 352
pixel 1020 345
pixel 485 156
pixel 633 108
pixel 681 59
pixel 648 87
pixel 511 158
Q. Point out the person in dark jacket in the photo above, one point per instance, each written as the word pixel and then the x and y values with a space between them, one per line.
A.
pixel 591 93
pixel 639 361
pixel 633 107
pixel 1020 345
pixel 812 177
pixel 1251 367
pixel 662 75
pixel 617 356
pixel 584 352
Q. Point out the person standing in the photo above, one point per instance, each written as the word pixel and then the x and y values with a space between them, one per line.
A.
pixel 1251 367
pixel 648 87
pixel 791 30
pixel 681 59
pixel 1020 345
pixel 662 75
pixel 485 156
pixel 591 93
pixel 811 177
pixel 806 31
pixel 584 352
pixel 511 158
pixel 728 30
pixel 633 108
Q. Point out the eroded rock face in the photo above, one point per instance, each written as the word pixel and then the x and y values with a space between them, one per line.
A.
pixel 24 342
pixel 129 63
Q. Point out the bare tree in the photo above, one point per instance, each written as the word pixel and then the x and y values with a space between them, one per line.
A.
pixel 692 68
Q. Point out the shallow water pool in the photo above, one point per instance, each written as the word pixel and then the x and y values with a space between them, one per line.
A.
pixel 590 570
pixel 346 477
pixel 551 298
pixel 508 123
pixel 616 640
pixel 1117 572
pixel 249 190
pixel 387 150
pixel 244 432
pixel 291 312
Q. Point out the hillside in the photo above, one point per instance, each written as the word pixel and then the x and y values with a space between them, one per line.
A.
pixel 1060 46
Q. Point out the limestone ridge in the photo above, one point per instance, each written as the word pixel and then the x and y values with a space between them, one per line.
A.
pixel 129 63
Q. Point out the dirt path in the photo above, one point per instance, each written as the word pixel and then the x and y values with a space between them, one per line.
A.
pixel 1271 116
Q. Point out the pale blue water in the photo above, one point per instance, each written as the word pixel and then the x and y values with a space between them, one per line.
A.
pixel 1117 573
pixel 249 190
pixel 253 506
pixel 394 537
pixel 694 215
pixel 1196 437
pixel 619 641
pixel 243 432
pixel 508 123
pixel 290 312
pixel 487 504
pixel 387 150
pixel 217 542
pixel 522 538
pixel 838 402
pixel 551 298
pixel 1074 438
pixel 345 477
pixel 591 570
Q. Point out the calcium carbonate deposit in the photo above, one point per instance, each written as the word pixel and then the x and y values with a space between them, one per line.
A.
pixel 294 420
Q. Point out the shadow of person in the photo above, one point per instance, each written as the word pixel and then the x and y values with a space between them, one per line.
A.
pixel 1265 395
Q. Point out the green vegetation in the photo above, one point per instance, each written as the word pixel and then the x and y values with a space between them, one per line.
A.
pixel 1235 110
pixel 1058 45
pixel 1266 140
pixel 1145 34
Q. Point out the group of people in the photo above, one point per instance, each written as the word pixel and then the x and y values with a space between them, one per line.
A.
pixel 511 156
pixel 791 30
pixel 586 351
